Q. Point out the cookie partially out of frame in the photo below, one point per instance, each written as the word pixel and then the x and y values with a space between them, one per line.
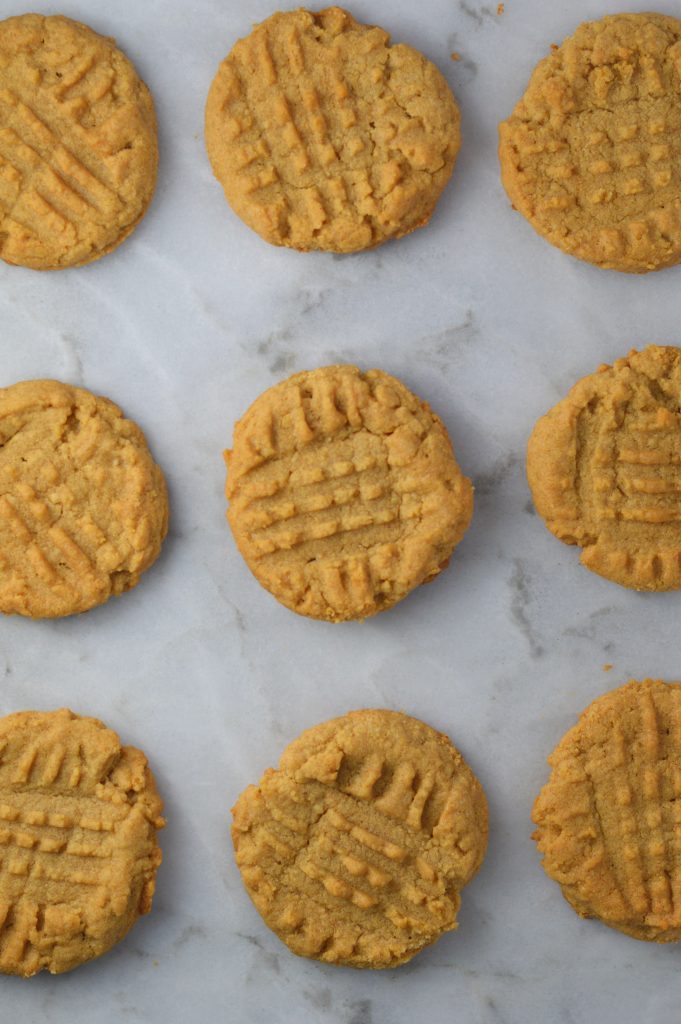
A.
pixel 78 820
pixel 355 850
pixel 324 136
pixel 607 820
pixel 83 505
pixel 591 155
pixel 344 493
pixel 78 149
pixel 604 467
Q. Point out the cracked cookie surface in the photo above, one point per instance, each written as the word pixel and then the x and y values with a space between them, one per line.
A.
pixel 607 819
pixel 324 136
pixel 344 492
pixel 78 149
pixel 355 850
pixel 83 506
pixel 604 467
pixel 591 155
pixel 78 850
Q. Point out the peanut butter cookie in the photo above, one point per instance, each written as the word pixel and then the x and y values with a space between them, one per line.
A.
pixel 78 150
pixel 607 819
pixel 344 493
pixel 592 152
pixel 78 821
pixel 604 467
pixel 324 136
pixel 356 849
pixel 83 506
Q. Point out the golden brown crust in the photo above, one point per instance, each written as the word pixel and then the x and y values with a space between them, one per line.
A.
pixel 607 820
pixel 344 493
pixel 356 849
pixel 78 820
pixel 83 506
pixel 603 466
pixel 324 136
pixel 78 149
pixel 591 155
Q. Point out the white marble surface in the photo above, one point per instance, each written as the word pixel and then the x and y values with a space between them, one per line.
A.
pixel 183 326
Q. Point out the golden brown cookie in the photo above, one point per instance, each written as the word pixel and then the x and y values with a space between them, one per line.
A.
pixel 356 849
pixel 592 152
pixel 83 506
pixel 78 150
pixel 344 493
pixel 78 848
pixel 604 466
pixel 608 818
pixel 324 136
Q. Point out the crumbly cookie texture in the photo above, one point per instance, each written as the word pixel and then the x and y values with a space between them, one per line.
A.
pixel 78 820
pixel 603 466
pixel 78 149
pixel 324 136
pixel 83 506
pixel 344 493
pixel 607 819
pixel 591 155
pixel 356 849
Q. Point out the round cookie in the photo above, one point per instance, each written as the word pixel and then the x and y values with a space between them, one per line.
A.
pixel 604 469
pixel 344 493
pixel 607 819
pixel 83 506
pixel 591 155
pixel 324 136
pixel 356 849
pixel 78 149
pixel 78 821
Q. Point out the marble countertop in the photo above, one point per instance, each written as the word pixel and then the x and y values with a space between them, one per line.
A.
pixel 183 326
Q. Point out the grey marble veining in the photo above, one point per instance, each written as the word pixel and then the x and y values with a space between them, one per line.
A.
pixel 183 326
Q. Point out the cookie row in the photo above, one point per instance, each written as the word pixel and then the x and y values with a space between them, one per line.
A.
pixel 355 850
pixel 326 137
pixel 344 491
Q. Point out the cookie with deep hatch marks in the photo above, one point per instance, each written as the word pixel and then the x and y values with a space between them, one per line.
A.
pixel 79 814
pixel 344 492
pixel 608 818
pixel 324 136
pixel 78 149
pixel 591 155
pixel 83 505
pixel 355 850
pixel 604 467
